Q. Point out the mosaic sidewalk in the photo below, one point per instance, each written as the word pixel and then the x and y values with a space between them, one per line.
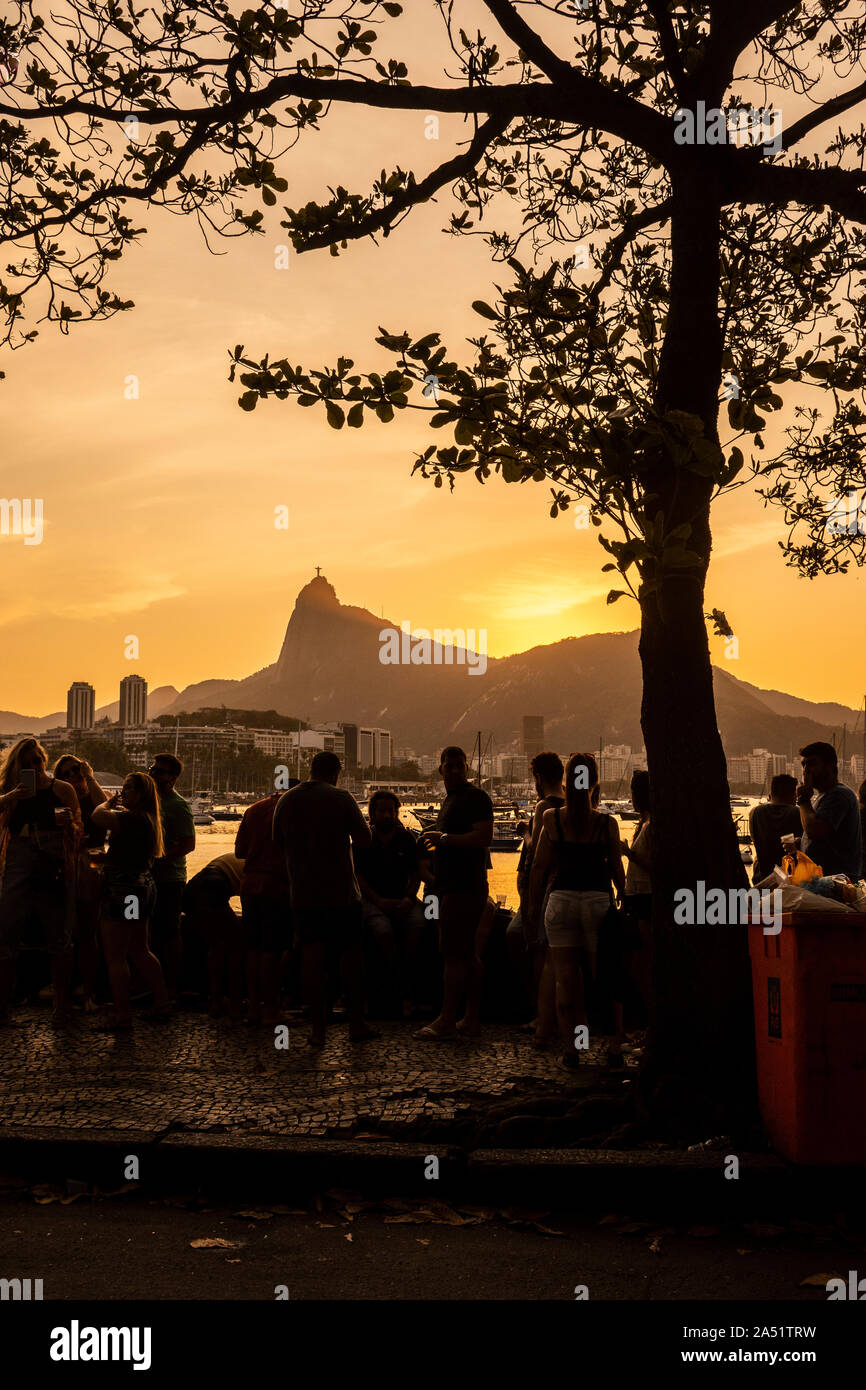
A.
pixel 206 1077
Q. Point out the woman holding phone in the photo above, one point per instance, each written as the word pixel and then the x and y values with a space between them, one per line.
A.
pixel 40 826
pixel 79 774
pixel 134 827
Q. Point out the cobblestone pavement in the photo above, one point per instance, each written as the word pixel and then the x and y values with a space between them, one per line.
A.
pixel 203 1076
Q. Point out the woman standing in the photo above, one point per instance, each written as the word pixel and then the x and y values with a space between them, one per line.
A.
pixel 40 826
pixel 134 827
pixel 79 774
pixel 584 849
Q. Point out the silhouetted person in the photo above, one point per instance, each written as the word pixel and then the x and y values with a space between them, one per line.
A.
pixel 209 915
pixel 861 797
pixel 389 880
pixel 547 771
pixel 265 907
pixel 831 821
pixel 40 826
pixel 132 820
pixel 316 824
pixel 770 821
pixel 461 841
pixel 169 870
pixel 88 882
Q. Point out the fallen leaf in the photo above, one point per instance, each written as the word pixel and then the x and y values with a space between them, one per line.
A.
pixel 633 1228
pixel 611 1220
pixel 215 1243
pixel 819 1280
pixel 546 1230
pixel 422 1240
pixel 232 1262
pixel 745 1252
pixel 326 1225
pixel 655 1246
pixel 763 1228
pixel 254 1214
pixel 288 1211
pixel 349 1236
pixel 44 1201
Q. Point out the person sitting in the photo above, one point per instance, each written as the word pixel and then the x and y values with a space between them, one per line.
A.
pixel 389 879
pixel 770 821
pixel 134 827
pixel 40 826
pixel 832 836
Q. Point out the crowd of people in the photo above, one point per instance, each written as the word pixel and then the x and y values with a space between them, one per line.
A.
pixel 337 909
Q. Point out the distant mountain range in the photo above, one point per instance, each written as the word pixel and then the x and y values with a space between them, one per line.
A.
pixel 586 688
pixel 158 701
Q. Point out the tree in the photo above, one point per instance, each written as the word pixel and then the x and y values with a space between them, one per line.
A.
pixel 650 261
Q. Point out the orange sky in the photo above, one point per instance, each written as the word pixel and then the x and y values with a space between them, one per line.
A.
pixel 159 512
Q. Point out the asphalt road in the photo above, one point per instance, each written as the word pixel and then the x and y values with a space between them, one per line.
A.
pixel 138 1247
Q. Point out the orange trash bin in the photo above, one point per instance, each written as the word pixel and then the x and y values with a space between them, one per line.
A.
pixel 809 985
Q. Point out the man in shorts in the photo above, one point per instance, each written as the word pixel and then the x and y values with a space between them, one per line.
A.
pixel 461 843
pixel 316 826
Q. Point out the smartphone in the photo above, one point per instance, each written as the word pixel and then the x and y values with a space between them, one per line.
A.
pixel 28 780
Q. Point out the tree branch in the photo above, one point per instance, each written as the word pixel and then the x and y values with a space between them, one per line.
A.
pixel 841 190
pixel 383 219
pixel 531 43
pixel 834 107
pixel 670 48
pixel 734 24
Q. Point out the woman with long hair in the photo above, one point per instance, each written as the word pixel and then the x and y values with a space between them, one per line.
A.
pixel 89 794
pixel 582 848
pixel 40 826
pixel 134 826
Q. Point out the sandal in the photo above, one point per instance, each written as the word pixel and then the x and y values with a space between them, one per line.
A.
pixel 431 1034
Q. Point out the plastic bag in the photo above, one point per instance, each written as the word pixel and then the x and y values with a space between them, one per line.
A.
pixel 801 869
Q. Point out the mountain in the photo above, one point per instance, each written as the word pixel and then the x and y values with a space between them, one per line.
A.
pixel 158 701
pixel 329 668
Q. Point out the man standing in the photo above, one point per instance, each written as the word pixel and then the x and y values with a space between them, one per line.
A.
pixel 831 825
pixel 316 824
pixel 169 872
pixel 770 821
pixel 461 840
pixel 265 899
pixel 388 877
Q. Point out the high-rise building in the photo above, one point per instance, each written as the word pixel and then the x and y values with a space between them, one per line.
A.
pixel 133 700
pixel 80 705
pixel 533 735
pixel 350 746
pixel 383 748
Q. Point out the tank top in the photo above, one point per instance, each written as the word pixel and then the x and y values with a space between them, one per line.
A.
pixel 35 812
pixel 581 868
pixel 524 863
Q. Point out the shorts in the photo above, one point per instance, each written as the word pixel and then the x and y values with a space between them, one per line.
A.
pixel 572 919
pixel 165 919
pixel 340 928
pixel 123 894
pixel 267 923
pixel 37 903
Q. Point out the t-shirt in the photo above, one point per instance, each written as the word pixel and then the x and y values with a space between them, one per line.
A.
pixel 388 865
pixel 840 852
pixel 231 866
pixel 131 843
pixel 177 824
pixel 264 860
pixel 461 870
pixel 767 824
pixel 315 825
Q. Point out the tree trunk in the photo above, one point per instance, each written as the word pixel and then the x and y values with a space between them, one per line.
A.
pixel 698 1078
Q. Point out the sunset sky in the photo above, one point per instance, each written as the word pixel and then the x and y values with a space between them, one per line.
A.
pixel 159 512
